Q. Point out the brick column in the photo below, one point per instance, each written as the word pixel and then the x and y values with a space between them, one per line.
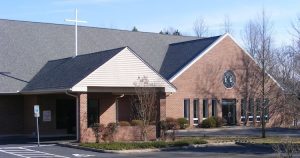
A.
pixel 238 111
pixel 219 108
pixel 162 106
pixel 200 111
pixel 191 119
pixel 161 110
pixel 84 134
pixel 209 107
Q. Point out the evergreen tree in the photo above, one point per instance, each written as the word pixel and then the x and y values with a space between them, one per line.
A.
pixel 176 33
pixel 134 29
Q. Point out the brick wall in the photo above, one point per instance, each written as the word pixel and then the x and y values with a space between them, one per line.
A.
pixel 203 80
pixel 133 133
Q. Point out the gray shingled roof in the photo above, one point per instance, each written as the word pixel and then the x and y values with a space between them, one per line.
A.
pixel 25 47
pixel 64 73
pixel 180 54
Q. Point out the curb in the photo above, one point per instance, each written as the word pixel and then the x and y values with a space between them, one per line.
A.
pixel 144 150
pixel 251 144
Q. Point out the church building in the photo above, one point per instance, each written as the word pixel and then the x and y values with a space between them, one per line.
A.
pixel 197 78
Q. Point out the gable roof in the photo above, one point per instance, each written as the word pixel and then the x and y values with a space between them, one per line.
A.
pixel 180 54
pixel 64 73
pixel 102 69
pixel 27 46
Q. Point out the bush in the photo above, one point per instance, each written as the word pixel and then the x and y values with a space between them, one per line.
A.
pixel 171 124
pixel 219 121
pixel 97 130
pixel 124 123
pixel 136 123
pixel 109 131
pixel 182 123
pixel 209 123
pixel 142 145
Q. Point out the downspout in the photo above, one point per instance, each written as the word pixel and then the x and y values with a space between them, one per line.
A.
pixel 77 115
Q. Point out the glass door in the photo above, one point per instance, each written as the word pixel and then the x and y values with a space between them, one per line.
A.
pixel 229 111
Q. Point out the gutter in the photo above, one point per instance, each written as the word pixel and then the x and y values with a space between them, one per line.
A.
pixel 77 115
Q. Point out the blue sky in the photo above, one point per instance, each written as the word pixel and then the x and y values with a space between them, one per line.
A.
pixel 155 15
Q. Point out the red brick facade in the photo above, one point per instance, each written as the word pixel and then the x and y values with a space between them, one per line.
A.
pixel 203 80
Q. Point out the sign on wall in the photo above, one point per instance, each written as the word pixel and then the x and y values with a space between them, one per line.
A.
pixel 46 115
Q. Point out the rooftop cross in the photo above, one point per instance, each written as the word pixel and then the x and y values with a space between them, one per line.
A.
pixel 76 21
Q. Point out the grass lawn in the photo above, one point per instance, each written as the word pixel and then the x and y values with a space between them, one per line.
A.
pixel 143 145
pixel 252 140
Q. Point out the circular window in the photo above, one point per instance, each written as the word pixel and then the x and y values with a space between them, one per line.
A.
pixel 229 79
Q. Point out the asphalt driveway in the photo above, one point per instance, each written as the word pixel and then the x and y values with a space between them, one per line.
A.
pixel 53 150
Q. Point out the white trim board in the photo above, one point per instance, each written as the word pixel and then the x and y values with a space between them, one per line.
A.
pixel 246 52
pixel 173 78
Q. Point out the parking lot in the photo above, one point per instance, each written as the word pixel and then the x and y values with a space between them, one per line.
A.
pixel 56 151
pixel 16 147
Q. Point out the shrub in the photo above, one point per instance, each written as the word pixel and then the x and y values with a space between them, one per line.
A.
pixel 219 121
pixel 182 123
pixel 97 129
pixel 209 123
pixel 171 124
pixel 136 123
pixel 124 123
pixel 109 131
pixel 142 145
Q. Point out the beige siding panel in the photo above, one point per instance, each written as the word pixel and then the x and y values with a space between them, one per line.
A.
pixel 122 71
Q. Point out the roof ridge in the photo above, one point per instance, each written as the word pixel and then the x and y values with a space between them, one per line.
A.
pixel 95 27
pixel 195 40
pixel 88 54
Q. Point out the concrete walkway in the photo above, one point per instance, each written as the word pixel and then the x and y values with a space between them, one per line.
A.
pixel 238 131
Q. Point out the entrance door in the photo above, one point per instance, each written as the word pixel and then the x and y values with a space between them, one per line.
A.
pixel 229 112
pixel 66 115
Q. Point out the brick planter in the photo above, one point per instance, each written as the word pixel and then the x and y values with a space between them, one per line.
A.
pixel 133 133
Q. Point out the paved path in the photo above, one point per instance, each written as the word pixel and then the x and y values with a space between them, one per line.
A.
pixel 239 131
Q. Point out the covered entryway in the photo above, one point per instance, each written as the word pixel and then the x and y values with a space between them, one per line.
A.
pixel 66 115
pixel 229 111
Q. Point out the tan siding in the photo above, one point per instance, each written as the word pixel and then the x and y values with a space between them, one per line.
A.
pixel 122 71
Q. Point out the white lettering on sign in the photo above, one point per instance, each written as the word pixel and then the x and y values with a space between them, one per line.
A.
pixel 46 115
pixel 36 111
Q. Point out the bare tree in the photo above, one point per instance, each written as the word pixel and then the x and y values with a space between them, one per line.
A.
pixel 227 25
pixel 144 105
pixel 200 28
pixel 258 41
pixel 286 148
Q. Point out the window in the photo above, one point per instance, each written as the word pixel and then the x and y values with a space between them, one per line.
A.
pixel 266 109
pixel 214 107
pixel 205 108
pixel 243 110
pixel 251 106
pixel 196 111
pixel 186 108
pixel 93 112
pixel 258 109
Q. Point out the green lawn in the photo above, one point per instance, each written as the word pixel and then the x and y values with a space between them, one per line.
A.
pixel 186 141
pixel 252 140
pixel 142 145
